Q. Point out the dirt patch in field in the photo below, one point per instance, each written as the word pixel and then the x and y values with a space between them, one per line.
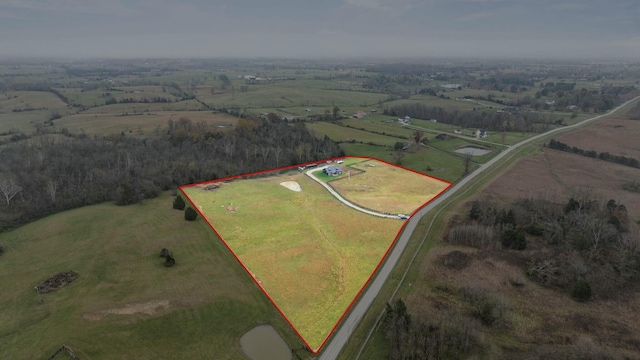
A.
pixel 148 308
pixel 616 136
pixel 456 260
pixel 291 185
pixel 557 175
pixel 56 282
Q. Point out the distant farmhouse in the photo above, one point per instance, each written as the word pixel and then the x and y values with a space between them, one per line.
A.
pixel 359 114
pixel 332 170
pixel 404 120
pixel 451 86
pixel 481 133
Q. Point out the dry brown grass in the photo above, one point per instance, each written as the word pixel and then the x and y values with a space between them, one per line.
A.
pixel 557 175
pixel 618 136
pixel 539 320
pixel 387 188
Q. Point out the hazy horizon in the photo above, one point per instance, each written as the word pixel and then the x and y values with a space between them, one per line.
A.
pixel 395 29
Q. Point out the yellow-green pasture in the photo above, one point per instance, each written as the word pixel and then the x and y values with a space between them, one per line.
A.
pixel 387 188
pixel 311 253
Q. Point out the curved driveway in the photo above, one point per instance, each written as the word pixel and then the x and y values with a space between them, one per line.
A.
pixel 343 200
pixel 333 348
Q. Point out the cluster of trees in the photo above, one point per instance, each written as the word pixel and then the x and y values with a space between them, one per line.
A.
pixel 587 101
pixel 110 100
pixel 506 83
pixel 618 159
pixel 579 246
pixel 494 121
pixel 445 337
pixel 47 173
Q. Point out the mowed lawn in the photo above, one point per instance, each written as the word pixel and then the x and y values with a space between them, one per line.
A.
pixel 197 309
pixel 311 253
pixel 387 188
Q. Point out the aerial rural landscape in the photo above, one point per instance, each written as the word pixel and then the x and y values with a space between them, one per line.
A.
pixel 309 252
pixel 357 179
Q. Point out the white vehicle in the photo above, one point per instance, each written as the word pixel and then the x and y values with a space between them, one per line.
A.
pixel 340 161
pixel 403 217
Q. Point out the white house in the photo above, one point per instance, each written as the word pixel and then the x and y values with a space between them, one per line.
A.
pixel 481 133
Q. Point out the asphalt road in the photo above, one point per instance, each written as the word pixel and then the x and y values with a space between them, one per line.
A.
pixel 337 342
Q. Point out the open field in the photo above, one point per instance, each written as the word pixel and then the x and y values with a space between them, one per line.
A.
pixel 143 124
pixel 310 253
pixel 557 175
pixel 443 166
pixel 125 303
pixel 386 188
pixel 302 93
pixel 342 133
pixel 375 123
pixel 434 101
pixel 618 136
pixel 24 110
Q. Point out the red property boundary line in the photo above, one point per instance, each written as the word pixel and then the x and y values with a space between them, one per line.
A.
pixel 366 283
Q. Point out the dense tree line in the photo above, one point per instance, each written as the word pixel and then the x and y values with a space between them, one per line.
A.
pixel 566 245
pixel 58 171
pixel 506 83
pixel 618 159
pixel 494 121
pixel 585 100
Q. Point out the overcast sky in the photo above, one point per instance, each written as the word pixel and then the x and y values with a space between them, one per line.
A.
pixel 321 28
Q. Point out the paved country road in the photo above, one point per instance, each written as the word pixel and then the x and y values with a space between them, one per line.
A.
pixel 337 342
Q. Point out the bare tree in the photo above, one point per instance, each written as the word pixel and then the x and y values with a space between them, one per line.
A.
pixel 417 136
pixel 9 189
pixel 467 163
pixel 52 189
pixel 277 151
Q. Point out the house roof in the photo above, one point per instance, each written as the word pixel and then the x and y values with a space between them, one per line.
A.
pixel 333 169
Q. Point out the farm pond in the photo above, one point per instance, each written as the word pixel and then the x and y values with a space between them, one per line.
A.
pixel 474 151
pixel 264 343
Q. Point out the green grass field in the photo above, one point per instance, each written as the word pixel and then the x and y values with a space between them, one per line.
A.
pixel 342 133
pixel 209 302
pixel 442 165
pixel 309 252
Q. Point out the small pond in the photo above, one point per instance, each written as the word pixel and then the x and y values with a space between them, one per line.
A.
pixel 474 151
pixel 264 343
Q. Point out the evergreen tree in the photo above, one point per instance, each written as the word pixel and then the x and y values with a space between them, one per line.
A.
pixel 190 214
pixel 178 203
pixel 581 291
pixel 475 212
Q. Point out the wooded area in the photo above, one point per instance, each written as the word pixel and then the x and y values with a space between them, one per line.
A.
pixel 50 172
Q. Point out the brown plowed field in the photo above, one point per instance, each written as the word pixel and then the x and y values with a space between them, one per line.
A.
pixel 557 175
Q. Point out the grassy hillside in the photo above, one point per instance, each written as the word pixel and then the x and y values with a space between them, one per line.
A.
pixel 125 303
